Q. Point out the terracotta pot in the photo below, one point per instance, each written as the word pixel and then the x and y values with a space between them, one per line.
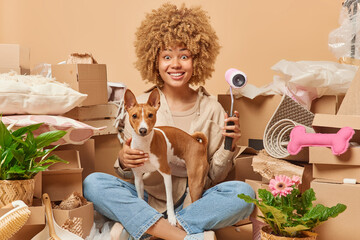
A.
pixel 11 190
pixel 266 234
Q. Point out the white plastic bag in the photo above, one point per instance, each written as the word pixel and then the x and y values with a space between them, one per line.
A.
pixel 345 40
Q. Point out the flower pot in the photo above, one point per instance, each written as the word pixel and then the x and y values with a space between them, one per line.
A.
pixel 266 234
pixel 11 190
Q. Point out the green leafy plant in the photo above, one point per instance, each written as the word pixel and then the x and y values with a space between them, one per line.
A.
pixel 289 212
pixel 23 155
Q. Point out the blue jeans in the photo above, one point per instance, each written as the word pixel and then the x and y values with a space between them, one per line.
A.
pixel 117 199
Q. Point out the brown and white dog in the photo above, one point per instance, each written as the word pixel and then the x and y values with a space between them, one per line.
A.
pixel 166 146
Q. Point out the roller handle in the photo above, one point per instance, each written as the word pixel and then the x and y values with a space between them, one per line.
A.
pixel 229 140
pixel 49 216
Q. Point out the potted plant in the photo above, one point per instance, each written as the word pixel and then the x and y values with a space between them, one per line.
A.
pixel 22 156
pixel 289 213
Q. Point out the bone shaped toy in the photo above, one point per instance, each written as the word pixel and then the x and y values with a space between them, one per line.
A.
pixel 338 142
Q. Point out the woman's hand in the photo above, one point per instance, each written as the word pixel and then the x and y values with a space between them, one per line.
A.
pixel 236 134
pixel 131 158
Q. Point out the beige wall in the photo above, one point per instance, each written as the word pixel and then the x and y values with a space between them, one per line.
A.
pixel 254 34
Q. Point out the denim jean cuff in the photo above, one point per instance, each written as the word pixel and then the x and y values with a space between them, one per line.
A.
pixel 137 231
pixel 189 229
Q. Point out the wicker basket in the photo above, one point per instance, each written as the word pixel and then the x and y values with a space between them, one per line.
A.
pixel 11 190
pixel 266 235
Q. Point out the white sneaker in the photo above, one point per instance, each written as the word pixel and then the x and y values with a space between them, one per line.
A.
pixel 118 232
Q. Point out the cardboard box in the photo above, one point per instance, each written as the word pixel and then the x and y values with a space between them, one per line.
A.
pixel 242 169
pixel 61 179
pixel 90 79
pixel 324 155
pixel 351 102
pixel 336 173
pixel 243 232
pixel 38 185
pixel 35 223
pixel 87 155
pixel 85 212
pixel 327 104
pixel 14 57
pixel 327 165
pixel 256 113
pixel 346 224
pixel 95 112
pixel 18 70
pixel 97 116
pixel 107 149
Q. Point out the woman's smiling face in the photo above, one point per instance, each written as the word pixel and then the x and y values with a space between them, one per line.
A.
pixel 175 66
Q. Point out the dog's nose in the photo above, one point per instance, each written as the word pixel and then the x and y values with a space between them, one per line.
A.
pixel 142 131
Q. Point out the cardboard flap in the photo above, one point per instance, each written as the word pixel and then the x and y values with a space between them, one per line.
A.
pixel 72 156
pixel 351 102
pixel 247 150
pixel 336 121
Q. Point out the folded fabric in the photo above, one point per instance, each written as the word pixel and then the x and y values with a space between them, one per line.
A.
pixel 35 94
pixel 77 132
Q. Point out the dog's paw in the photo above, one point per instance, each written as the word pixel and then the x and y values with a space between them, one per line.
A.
pixel 172 220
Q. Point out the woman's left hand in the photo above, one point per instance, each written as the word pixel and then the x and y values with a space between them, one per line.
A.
pixel 236 134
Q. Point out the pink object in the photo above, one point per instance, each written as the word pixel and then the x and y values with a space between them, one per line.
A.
pixel 77 132
pixel 281 185
pixel 338 142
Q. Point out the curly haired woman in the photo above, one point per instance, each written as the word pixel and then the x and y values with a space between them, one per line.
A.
pixel 176 48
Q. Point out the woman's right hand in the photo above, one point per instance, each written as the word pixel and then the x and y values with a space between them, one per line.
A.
pixel 132 158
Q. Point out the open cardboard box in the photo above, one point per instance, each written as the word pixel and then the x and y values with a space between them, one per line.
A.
pixel 60 180
pixel 346 224
pixel 256 113
pixel 242 166
pixel 85 212
pixel 87 155
pixel 34 224
pixel 326 165
pixel 90 79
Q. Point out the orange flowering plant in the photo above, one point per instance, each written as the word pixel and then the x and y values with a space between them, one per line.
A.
pixel 289 212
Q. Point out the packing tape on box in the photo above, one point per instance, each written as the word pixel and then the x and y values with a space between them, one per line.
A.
pixel 349 180
pixel 288 114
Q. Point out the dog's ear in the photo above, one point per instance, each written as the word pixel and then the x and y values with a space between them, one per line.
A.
pixel 154 99
pixel 129 99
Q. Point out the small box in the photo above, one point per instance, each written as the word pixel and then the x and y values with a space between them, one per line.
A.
pixel 60 180
pixel 90 79
pixel 34 224
pixel 85 212
pixel 14 57
pixel 346 224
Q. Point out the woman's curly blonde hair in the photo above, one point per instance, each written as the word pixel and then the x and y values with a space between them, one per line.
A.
pixel 169 25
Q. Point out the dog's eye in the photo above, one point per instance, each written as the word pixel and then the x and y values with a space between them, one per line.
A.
pixel 150 115
pixel 134 116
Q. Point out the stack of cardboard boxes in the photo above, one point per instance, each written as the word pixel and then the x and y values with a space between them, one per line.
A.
pixel 61 180
pixel 254 116
pixel 337 177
